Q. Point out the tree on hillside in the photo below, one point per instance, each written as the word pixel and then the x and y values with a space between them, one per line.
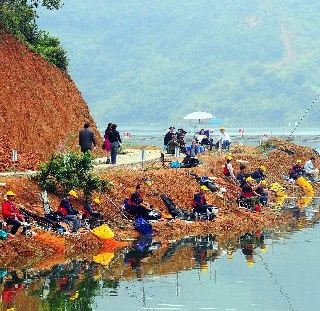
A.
pixel 19 18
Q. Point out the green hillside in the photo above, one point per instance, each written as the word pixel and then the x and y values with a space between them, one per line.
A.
pixel 157 60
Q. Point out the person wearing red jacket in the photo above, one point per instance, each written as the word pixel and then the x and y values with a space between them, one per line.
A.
pixel 11 213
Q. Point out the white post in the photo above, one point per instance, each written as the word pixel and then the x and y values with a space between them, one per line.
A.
pixel 142 157
pixel 176 152
pixel 14 155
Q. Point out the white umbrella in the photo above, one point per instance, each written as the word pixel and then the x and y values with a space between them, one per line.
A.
pixel 199 115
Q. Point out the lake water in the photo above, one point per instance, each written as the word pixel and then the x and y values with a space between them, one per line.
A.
pixel 270 270
pixel 152 134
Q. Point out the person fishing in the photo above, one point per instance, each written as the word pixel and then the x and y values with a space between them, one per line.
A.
pixel 242 175
pixel 136 206
pixel 228 169
pixel 12 215
pixel 310 169
pixel 263 192
pixel 91 208
pixel 67 211
pixel 259 174
pixel 297 170
pixel 248 197
pixel 200 205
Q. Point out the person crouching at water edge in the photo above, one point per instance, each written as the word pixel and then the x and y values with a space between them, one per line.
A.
pixel 67 211
pixel 259 174
pixel 12 215
pixel 115 141
pixel 200 206
pixel 248 197
pixel 136 206
pixel 310 169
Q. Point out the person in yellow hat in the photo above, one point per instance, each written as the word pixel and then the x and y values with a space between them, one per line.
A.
pixel 11 213
pixel 262 191
pixel 248 197
pixel 200 206
pixel 91 208
pixel 228 169
pixel 259 174
pixel 297 170
pixel 68 212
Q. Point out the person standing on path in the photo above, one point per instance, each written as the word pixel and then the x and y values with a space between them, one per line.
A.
pixel 87 141
pixel 115 141
pixel 107 144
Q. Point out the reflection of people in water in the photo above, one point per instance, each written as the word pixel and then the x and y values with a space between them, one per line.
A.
pixel 248 243
pixel 11 288
pixel 204 249
pixel 141 248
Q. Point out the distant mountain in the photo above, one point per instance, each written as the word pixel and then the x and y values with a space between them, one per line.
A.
pixel 156 60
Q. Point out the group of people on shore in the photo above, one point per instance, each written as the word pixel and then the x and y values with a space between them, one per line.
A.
pixel 66 213
pixel 111 143
pixel 308 170
pixel 203 138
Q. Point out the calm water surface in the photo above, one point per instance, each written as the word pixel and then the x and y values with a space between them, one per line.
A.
pixel 270 270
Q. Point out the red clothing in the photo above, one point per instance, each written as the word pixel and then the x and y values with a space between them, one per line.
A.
pixel 9 210
pixel 199 199
pixel 9 292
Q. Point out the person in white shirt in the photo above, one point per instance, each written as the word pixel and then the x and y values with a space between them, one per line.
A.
pixel 310 168
pixel 224 139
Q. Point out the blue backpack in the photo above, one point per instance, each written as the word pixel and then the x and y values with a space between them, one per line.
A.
pixel 143 226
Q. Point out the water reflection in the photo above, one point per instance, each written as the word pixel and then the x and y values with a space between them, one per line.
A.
pixel 78 285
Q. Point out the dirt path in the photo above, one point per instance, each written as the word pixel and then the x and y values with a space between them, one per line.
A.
pixel 132 156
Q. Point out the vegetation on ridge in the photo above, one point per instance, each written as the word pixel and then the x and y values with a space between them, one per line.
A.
pixel 19 18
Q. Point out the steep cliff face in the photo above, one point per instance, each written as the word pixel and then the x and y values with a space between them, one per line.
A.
pixel 41 109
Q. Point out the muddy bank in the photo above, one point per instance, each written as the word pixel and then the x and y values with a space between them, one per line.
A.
pixel 180 186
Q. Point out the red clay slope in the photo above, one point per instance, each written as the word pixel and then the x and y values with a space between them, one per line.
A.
pixel 40 106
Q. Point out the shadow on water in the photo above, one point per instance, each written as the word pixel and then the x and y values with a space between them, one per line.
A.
pixel 78 285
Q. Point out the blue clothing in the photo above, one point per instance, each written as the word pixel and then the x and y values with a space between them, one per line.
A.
pixel 258 175
pixel 66 204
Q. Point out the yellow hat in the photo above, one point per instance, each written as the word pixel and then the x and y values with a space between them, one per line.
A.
pixel 204 188
pixel 250 263
pixel 10 193
pixel 204 267
pixel 222 128
pixel 264 183
pixel 148 182
pixel 73 194
pixel 263 248
pixel 97 201
pixel 229 256
pixel 263 168
pixel 250 179
pixel 74 296
pixel 298 161
pixel 229 157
